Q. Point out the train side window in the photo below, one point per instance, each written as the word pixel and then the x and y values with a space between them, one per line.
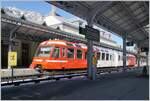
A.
pixel 56 53
pixel 98 55
pixel 110 57
pixel 118 57
pixel 79 54
pixel 44 51
pixel 63 52
pixel 85 55
pixel 70 53
pixel 70 44
pixel 107 56
pixel 103 56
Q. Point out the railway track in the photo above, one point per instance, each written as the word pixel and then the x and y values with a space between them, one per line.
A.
pixel 35 76
pixel 17 80
pixel 39 79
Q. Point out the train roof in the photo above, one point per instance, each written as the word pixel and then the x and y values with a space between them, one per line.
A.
pixel 53 42
pixel 77 45
pixel 63 43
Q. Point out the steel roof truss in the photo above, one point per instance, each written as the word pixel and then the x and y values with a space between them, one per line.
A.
pixel 133 17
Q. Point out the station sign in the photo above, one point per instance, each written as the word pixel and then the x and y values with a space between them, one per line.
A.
pixel 144 49
pixel 90 33
pixel 12 58
pixel 130 43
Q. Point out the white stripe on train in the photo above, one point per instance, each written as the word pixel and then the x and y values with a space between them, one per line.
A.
pixel 56 60
pixel 40 60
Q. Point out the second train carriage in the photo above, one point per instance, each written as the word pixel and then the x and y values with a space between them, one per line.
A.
pixel 60 54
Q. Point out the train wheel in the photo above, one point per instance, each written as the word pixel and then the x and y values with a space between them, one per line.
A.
pixel 69 77
pixel 39 69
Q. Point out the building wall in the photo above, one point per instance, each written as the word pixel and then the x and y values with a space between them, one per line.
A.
pixel 102 40
pixel 70 30
pixel 17 47
pixel 33 47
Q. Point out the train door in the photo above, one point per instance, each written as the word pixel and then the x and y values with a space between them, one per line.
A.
pixel 79 59
pixel 103 64
pixel 25 55
pixel 115 57
pixel 70 57
pixel 63 58
pixel 110 59
pixel 98 59
pixel 57 62
pixel 4 56
pixel 119 59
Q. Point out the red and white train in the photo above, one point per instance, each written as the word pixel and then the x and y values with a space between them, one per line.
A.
pixel 60 55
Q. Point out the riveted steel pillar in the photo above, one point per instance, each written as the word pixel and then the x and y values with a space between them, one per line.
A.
pixel 99 8
pixel 90 54
pixel 138 55
pixel 89 59
pixel 138 58
pixel 11 37
pixel 124 51
pixel 147 62
pixel 10 45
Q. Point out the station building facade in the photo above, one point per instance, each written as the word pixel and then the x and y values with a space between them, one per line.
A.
pixel 25 51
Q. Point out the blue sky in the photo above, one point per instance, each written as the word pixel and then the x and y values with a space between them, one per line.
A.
pixel 44 8
pixel 39 6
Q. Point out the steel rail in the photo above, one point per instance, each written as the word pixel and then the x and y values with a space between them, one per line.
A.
pixel 56 77
pixel 69 76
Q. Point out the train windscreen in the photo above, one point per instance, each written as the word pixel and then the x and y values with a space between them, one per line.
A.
pixel 43 51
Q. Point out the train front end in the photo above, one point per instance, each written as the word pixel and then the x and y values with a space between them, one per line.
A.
pixel 41 58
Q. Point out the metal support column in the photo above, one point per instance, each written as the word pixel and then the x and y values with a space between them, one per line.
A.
pixel 90 54
pixel 89 59
pixel 11 37
pixel 124 51
pixel 138 54
pixel 138 58
pixel 147 62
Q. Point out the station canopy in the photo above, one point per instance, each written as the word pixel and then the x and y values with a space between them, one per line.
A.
pixel 23 29
pixel 26 30
pixel 121 17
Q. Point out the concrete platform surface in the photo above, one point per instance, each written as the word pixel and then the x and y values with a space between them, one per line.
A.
pixel 118 86
pixel 17 72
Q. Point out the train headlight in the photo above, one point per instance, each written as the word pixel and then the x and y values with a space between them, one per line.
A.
pixel 38 60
